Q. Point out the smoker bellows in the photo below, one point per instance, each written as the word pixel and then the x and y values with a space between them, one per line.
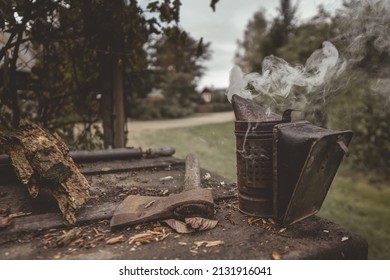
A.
pixel 284 168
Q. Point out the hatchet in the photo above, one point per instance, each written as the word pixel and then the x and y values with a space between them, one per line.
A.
pixel 193 201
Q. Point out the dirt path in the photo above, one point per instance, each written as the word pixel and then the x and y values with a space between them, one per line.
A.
pixel 141 126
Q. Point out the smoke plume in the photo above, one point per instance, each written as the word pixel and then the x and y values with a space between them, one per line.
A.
pixel 278 78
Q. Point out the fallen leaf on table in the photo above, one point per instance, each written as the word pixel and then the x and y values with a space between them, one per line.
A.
pixel 179 226
pixel 201 223
pixel 115 240
pixel 209 243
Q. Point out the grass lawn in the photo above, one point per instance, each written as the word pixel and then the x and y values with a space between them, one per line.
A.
pixel 352 202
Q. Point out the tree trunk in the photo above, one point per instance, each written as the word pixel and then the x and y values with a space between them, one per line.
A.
pixel 112 104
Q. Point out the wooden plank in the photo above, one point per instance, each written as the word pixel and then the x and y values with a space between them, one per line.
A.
pixel 45 221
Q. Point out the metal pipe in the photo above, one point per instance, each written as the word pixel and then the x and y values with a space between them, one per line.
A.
pixel 98 155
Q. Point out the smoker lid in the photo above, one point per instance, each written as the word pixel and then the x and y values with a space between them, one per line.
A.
pixel 306 158
pixel 248 110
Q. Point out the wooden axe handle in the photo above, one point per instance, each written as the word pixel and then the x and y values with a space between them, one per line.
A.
pixel 192 173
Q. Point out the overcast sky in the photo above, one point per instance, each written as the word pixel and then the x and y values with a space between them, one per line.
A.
pixel 227 24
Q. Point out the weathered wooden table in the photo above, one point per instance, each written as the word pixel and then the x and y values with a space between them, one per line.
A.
pixel 42 234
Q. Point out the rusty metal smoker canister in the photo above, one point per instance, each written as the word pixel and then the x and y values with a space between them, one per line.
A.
pixel 254 167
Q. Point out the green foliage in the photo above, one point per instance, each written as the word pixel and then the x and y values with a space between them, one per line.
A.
pixel 262 38
pixel 79 46
pixel 359 109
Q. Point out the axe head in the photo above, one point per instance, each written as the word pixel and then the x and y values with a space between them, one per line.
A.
pixel 137 209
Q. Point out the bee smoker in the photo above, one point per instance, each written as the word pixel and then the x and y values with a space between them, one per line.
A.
pixel 284 168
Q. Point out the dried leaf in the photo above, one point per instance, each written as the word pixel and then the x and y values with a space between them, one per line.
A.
pixel 179 226
pixel 209 243
pixel 115 240
pixel 276 255
pixel 201 223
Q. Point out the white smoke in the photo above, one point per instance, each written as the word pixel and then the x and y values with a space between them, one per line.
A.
pixel 368 31
pixel 278 78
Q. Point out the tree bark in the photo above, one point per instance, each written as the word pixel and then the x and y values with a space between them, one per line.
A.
pixel 41 160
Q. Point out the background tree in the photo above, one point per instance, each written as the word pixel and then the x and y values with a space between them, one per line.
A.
pixel 177 63
pixel 89 53
pixel 263 38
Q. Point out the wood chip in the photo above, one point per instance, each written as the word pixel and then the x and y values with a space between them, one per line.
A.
pixel 209 243
pixel 252 220
pixel 148 236
pixel 167 178
pixel 282 230
pixel 68 237
pixel 115 240
pixel 276 255
pixel 19 214
pixel 207 176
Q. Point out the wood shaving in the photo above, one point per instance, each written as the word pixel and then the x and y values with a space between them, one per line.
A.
pixel 148 237
pixel 68 237
pixel 252 220
pixel 150 204
pixel 115 240
pixel 209 243
pixel 167 178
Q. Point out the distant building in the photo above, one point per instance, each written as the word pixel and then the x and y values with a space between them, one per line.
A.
pixel 155 95
pixel 205 95
pixel 209 94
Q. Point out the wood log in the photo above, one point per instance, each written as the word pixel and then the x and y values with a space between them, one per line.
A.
pixel 41 159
